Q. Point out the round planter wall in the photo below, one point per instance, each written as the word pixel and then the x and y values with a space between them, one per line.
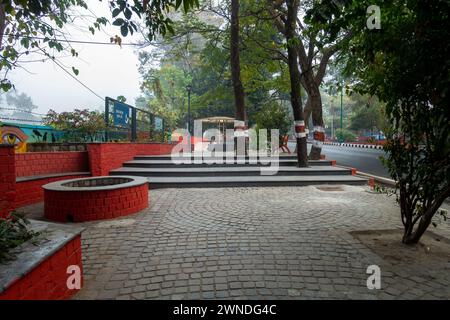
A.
pixel 95 198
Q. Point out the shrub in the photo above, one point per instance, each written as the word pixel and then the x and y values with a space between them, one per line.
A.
pixel 14 232
pixel 345 135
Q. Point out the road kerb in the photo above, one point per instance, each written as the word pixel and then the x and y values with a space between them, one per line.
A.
pixel 374 178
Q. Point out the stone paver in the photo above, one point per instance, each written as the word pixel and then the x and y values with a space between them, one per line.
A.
pixel 251 243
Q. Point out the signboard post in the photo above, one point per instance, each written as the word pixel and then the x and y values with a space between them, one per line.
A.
pixel 121 118
pixel 121 114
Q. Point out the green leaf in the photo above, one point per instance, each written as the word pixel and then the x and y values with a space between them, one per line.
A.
pixel 76 71
pixel 118 22
pixel 115 12
pixel 170 28
pixel 124 30
pixel 127 13
pixel 73 52
pixel 25 42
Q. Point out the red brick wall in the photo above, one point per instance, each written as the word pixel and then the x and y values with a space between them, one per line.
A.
pixel 94 205
pixel 7 180
pixel 48 280
pixel 104 157
pixel 29 192
pixel 100 159
pixel 37 163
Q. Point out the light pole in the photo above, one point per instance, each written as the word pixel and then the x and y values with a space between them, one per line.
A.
pixel 332 120
pixel 341 138
pixel 189 88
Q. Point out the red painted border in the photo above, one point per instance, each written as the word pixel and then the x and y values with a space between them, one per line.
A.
pixel 39 163
pixel 48 280
pixel 104 157
pixel 94 205
pixel 29 192
pixel 101 158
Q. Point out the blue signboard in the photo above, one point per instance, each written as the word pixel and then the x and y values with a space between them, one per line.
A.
pixel 158 123
pixel 121 114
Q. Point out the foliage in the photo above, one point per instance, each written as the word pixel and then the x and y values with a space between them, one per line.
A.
pixel 34 26
pixel 21 101
pixel 273 116
pixel 78 124
pixel 14 232
pixel 345 135
pixel 198 54
pixel 121 98
pixel 154 12
pixel 21 105
pixel 406 64
pixel 367 113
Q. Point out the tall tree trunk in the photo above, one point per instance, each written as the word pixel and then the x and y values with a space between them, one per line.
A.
pixel 413 237
pixel 307 110
pixel 294 74
pixel 239 96
pixel 317 119
pixel 2 23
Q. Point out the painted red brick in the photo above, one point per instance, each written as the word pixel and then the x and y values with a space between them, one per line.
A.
pixel 29 192
pixel 100 159
pixel 7 180
pixel 104 157
pixel 81 206
pixel 38 163
pixel 48 280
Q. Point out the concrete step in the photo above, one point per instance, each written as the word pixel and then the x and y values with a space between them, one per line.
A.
pixel 240 171
pixel 251 181
pixel 205 156
pixel 186 163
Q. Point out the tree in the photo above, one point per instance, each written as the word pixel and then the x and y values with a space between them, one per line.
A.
pixel 315 46
pixel 36 26
pixel 368 113
pixel 287 26
pixel 78 125
pixel 345 135
pixel 121 98
pixel 21 105
pixel 273 116
pixel 238 89
pixel 406 65
pixel 199 53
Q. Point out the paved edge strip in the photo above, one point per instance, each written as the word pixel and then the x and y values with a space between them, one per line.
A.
pixel 355 145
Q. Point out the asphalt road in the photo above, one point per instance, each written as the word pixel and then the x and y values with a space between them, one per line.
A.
pixel 364 160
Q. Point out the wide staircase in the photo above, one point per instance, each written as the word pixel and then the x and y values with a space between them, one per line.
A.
pixel 204 172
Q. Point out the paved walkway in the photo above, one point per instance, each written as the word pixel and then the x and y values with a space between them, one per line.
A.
pixel 251 243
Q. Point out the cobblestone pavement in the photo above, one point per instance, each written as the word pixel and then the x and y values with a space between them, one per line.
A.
pixel 251 243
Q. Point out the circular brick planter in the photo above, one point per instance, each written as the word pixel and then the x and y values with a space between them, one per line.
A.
pixel 94 198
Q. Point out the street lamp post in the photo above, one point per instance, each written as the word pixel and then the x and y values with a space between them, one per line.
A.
pixel 189 88
pixel 332 120
pixel 341 138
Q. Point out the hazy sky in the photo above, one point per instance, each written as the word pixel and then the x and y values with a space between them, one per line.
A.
pixel 108 70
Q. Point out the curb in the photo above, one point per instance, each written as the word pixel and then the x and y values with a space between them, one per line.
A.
pixel 354 145
pixel 377 179
pixel 372 178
